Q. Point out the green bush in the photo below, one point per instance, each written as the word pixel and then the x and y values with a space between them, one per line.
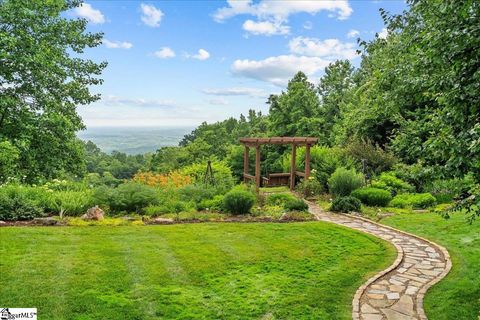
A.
pixel 129 197
pixel 345 204
pixel 197 193
pixel 215 204
pixel 310 187
pixel 377 159
pixel 279 199
pixel 71 203
pixel 416 174
pixel 447 190
pixel 173 206
pixel 238 201
pixel 344 181
pixel 413 200
pixel 295 205
pixel 373 196
pixel 16 203
pixel 388 181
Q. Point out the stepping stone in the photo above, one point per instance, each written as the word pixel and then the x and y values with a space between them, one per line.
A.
pixel 375 296
pixel 366 308
pixel 370 316
pixel 393 295
pixel 404 305
pixel 396 288
pixel 394 315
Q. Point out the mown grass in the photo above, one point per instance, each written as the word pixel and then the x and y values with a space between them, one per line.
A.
pixel 458 295
pixel 200 271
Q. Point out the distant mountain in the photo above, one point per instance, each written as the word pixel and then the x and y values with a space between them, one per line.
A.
pixel 134 140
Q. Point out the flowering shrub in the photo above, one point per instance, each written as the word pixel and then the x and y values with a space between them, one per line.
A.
pixel 152 179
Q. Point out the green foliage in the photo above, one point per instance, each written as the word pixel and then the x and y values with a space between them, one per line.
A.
pixel 346 204
pixel 388 181
pixel 279 199
pixel 413 200
pixel 295 205
pixel 238 201
pixel 310 187
pixel 17 203
pixel 469 204
pixel 334 88
pixel 343 181
pixel 167 206
pixel 72 203
pixel 9 156
pixel 221 172
pixel 287 201
pixel 447 190
pixel 40 49
pixel 376 158
pixel 416 174
pixel 323 162
pixel 295 112
pixel 128 197
pixel 373 196
pixel 215 204
pixel 110 167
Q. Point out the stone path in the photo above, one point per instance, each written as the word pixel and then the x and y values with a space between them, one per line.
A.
pixel 397 292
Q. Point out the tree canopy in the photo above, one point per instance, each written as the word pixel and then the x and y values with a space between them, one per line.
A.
pixel 43 80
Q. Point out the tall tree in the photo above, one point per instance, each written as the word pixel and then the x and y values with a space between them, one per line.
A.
pixel 334 89
pixel 42 81
pixel 296 111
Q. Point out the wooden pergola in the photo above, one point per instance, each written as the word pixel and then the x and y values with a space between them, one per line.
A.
pixel 294 141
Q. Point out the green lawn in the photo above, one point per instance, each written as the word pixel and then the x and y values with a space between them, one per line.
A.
pixel 194 271
pixel 458 295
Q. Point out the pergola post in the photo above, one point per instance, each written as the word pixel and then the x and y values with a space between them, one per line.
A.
pixel 307 162
pixel 257 166
pixel 293 166
pixel 246 163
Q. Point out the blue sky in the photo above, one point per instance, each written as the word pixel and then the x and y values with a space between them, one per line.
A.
pixel 179 63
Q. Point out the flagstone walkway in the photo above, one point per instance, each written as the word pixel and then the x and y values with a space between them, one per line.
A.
pixel 397 292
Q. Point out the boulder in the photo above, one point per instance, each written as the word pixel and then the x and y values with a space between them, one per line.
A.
pixel 94 213
pixel 48 221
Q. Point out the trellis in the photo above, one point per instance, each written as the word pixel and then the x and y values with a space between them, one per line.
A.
pixel 276 178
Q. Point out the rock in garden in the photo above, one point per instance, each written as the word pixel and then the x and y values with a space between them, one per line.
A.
pixel 94 213
pixel 162 220
pixel 48 221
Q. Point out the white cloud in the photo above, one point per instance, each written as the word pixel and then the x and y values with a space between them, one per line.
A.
pixel 164 53
pixel 383 34
pixel 352 33
pixel 151 16
pixel 85 10
pixel 329 48
pixel 218 102
pixel 273 14
pixel 236 91
pixel 117 44
pixel 281 10
pixel 201 55
pixel 278 70
pixel 265 28
pixel 308 25
pixel 112 100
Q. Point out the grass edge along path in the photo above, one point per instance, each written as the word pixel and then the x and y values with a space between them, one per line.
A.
pixel 457 296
